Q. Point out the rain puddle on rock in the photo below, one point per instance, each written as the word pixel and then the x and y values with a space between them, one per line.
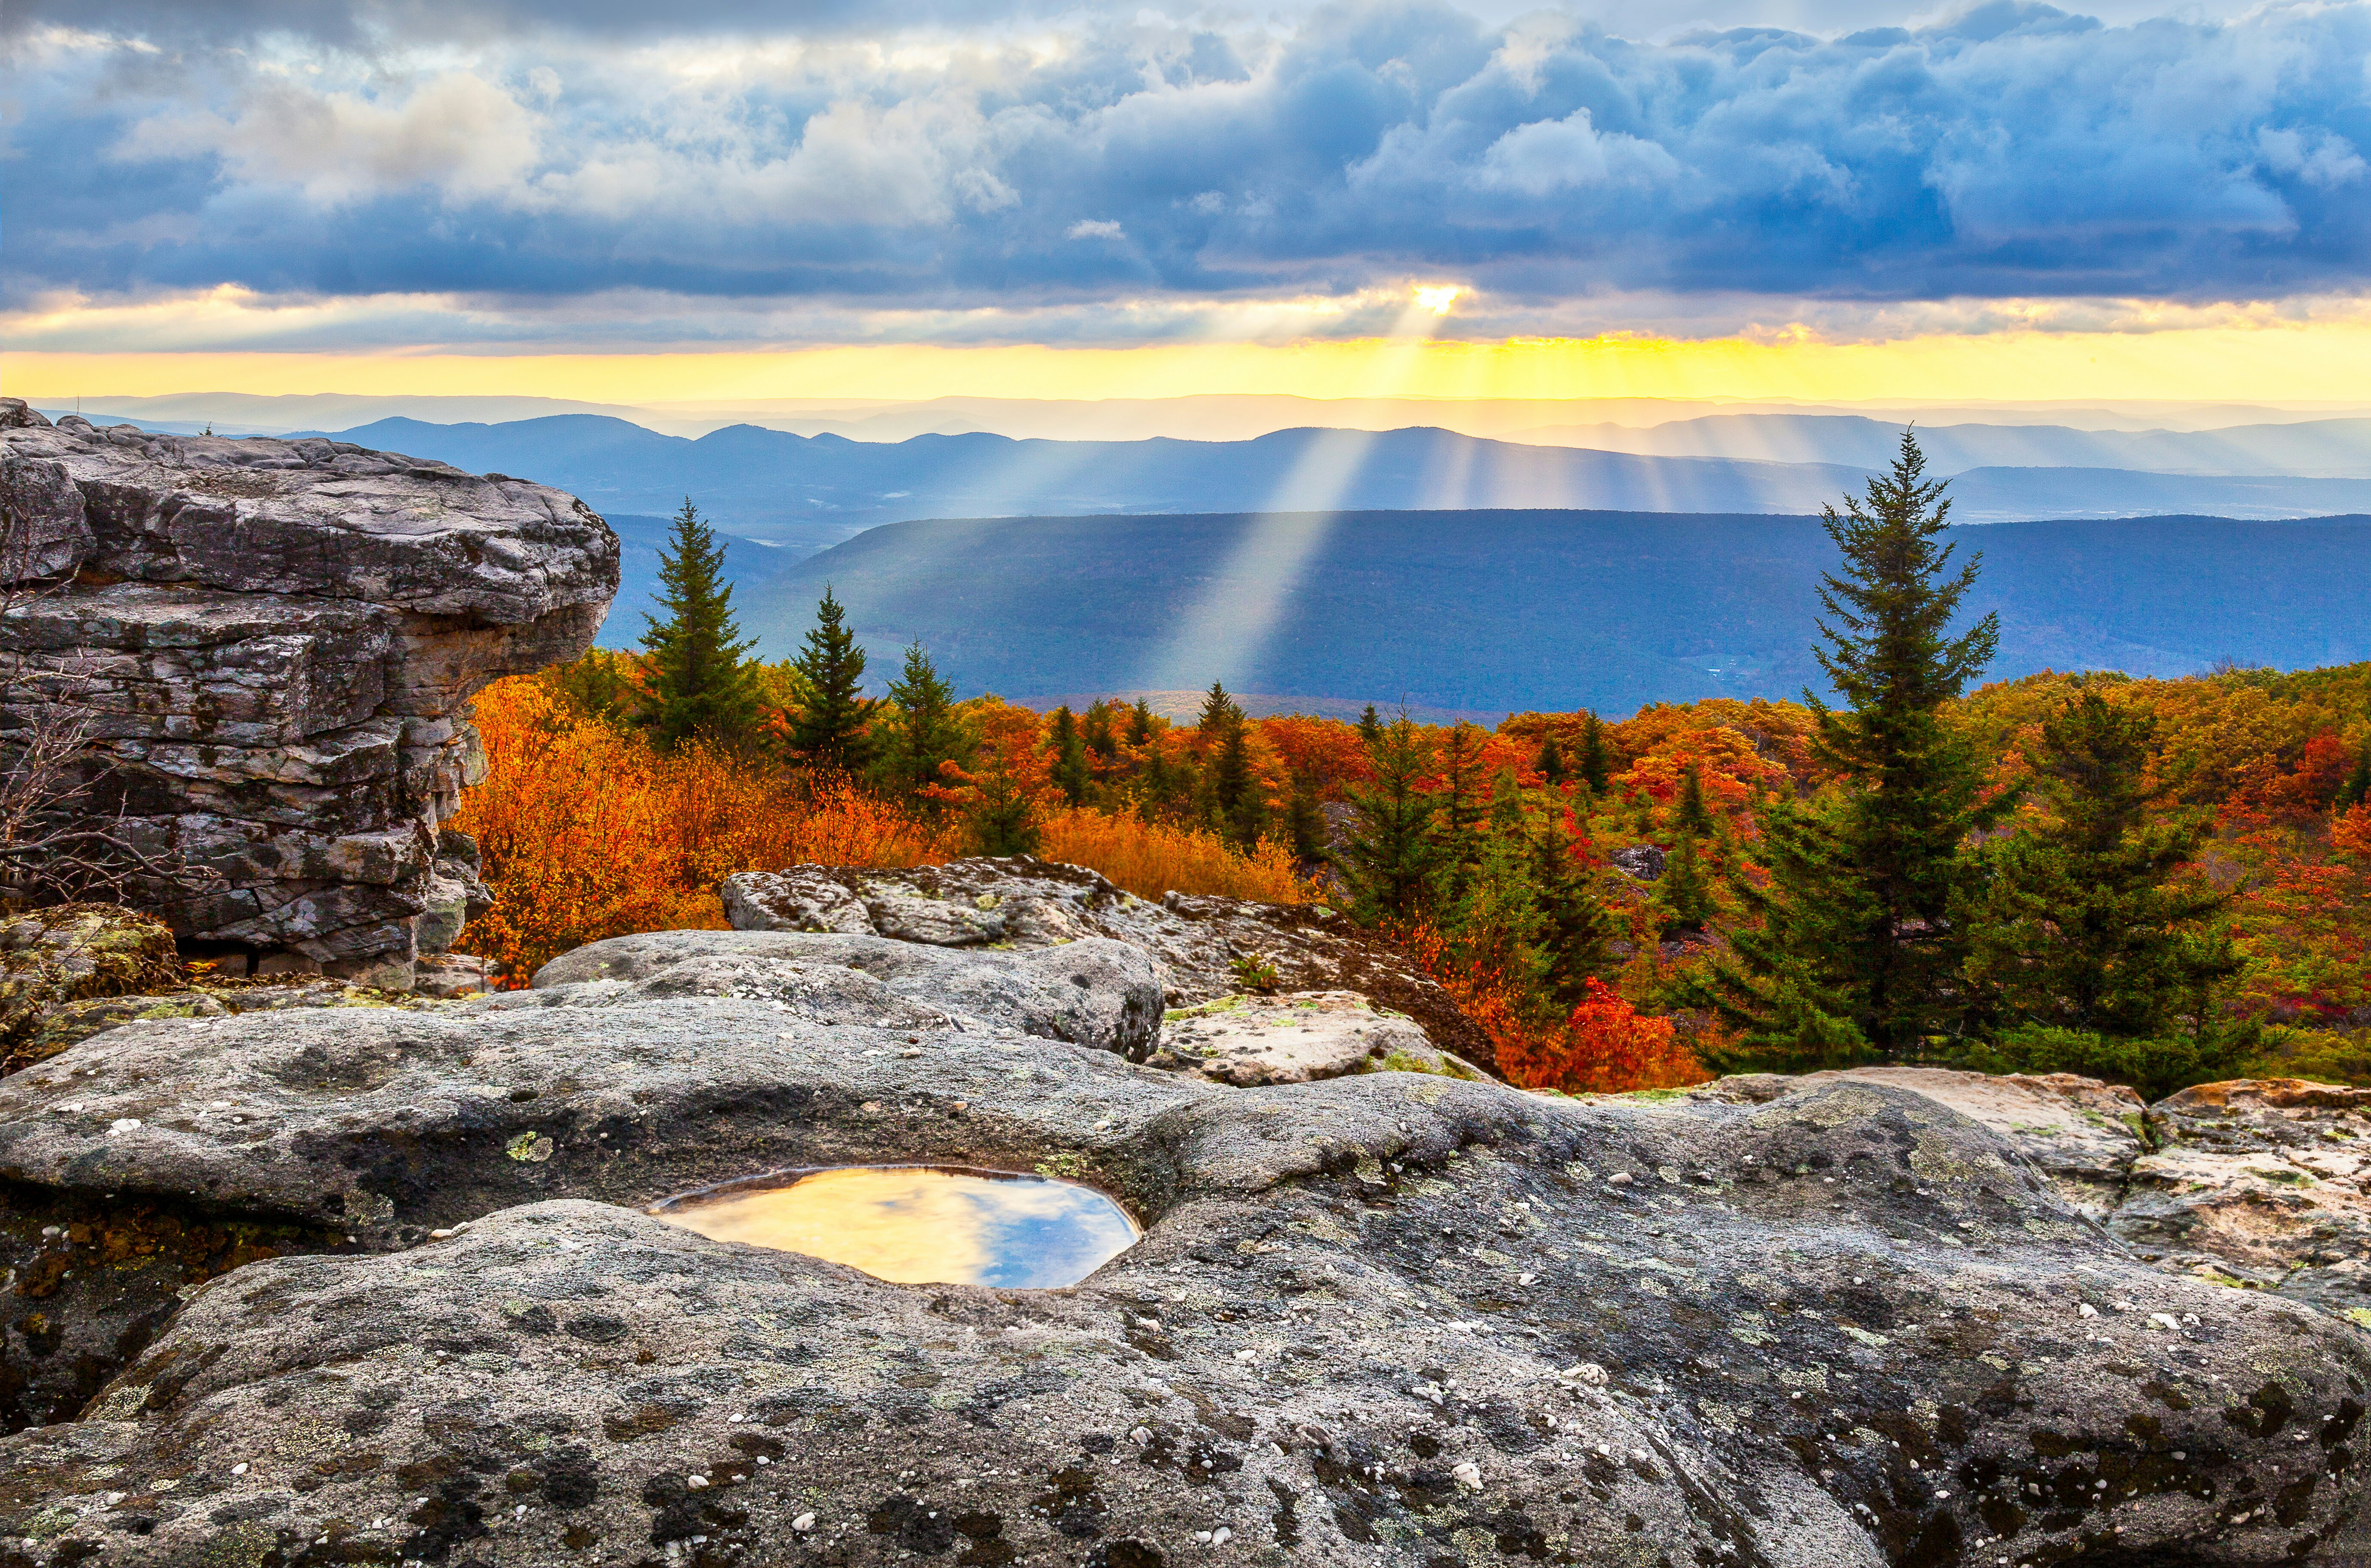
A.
pixel 917 1225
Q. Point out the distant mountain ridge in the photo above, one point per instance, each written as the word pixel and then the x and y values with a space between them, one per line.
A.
pixel 2334 448
pixel 811 491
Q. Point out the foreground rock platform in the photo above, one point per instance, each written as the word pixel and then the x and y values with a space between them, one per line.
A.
pixel 1387 1318
pixel 273 645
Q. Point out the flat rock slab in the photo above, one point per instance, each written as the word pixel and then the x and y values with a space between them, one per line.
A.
pixel 1197 944
pixel 2261 1183
pixel 2083 1134
pixel 309 517
pixel 1299 1037
pixel 1387 1318
pixel 1092 991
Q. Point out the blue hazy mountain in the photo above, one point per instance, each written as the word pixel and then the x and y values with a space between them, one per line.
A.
pixel 804 492
pixel 1493 610
pixel 2332 447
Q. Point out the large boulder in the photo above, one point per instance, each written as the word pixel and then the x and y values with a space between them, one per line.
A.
pixel 2082 1133
pixel 51 958
pixel 1387 1318
pixel 1204 948
pixel 270 646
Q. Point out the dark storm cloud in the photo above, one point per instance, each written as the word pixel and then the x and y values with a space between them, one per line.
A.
pixel 2012 150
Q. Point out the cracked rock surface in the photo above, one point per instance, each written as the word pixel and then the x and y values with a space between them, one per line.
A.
pixel 1385 1318
pixel 274 643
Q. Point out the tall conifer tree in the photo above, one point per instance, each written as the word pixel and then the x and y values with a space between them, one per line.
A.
pixel 1579 933
pixel 1690 814
pixel 1389 858
pixel 1595 766
pixel 925 732
pixel 1853 950
pixel 1069 747
pixel 700 684
pixel 2080 925
pixel 830 734
pixel 1232 804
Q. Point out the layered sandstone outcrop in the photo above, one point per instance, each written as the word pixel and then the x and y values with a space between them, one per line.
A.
pixel 273 645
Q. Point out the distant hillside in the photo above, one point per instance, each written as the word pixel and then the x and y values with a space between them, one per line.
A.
pixel 1551 609
pixel 806 492
pixel 2335 447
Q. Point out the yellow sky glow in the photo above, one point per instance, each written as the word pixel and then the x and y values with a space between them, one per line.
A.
pixel 2317 362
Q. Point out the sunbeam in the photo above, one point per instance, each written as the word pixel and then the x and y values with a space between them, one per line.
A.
pixel 1224 635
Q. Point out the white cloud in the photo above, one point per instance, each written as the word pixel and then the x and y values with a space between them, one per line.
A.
pixel 1095 228
pixel 455 133
pixel 1555 154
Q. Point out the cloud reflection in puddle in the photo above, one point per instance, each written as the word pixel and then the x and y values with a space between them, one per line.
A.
pixel 916 1224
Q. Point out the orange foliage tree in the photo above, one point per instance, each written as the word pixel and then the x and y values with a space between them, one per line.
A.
pixel 587 833
pixel 1604 1046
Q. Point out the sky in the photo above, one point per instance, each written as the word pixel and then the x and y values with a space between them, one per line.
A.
pixel 1823 199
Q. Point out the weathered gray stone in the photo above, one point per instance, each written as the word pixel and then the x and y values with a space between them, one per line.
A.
pixel 1197 943
pixel 1252 1041
pixel 2084 1134
pixel 1385 1318
pixel 1091 992
pixel 271 647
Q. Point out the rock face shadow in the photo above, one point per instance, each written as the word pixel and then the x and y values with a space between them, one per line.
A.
pixel 920 1225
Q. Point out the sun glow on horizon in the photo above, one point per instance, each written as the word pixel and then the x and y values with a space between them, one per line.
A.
pixel 2314 361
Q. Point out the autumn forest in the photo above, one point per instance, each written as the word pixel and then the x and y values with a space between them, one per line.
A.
pixel 2154 882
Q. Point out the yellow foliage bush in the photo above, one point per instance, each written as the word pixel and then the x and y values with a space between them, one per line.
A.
pixel 1151 858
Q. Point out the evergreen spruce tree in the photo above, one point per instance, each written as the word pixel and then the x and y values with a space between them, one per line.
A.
pixel 2357 787
pixel 700 680
pixel 1370 728
pixel 1850 948
pixel 1230 805
pixel 1095 729
pixel 1003 820
pixel 1577 933
pixel 925 732
pixel 1596 765
pixel 1139 724
pixel 1497 922
pixel 1389 858
pixel 2079 926
pixel 1684 894
pixel 1551 762
pixel 1304 822
pixel 1690 814
pixel 830 734
pixel 1069 747
pixel 1462 804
